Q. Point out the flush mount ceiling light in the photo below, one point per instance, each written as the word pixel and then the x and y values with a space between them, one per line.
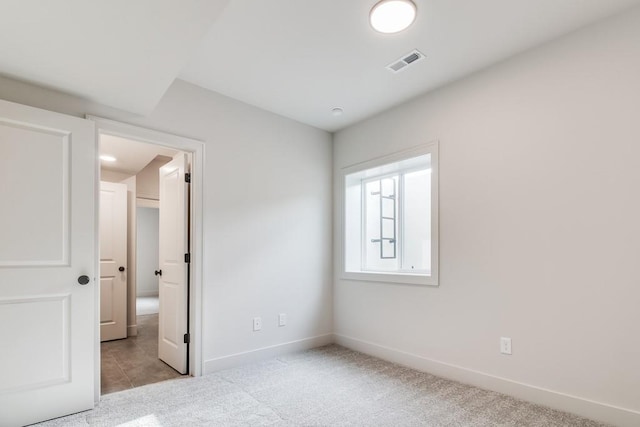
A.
pixel 337 111
pixel 107 158
pixel 392 16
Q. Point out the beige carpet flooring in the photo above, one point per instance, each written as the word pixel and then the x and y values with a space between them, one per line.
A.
pixel 328 386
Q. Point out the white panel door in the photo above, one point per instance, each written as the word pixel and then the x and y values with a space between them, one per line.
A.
pixel 173 235
pixel 48 318
pixel 113 261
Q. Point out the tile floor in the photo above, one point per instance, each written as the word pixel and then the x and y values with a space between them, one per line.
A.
pixel 133 362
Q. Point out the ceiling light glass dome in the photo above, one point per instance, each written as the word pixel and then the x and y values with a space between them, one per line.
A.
pixel 392 16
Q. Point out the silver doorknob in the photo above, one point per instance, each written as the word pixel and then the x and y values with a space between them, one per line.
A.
pixel 83 280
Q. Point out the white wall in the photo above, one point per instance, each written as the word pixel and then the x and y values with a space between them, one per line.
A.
pixel 539 226
pixel 267 219
pixel 132 256
pixel 148 247
pixel 148 179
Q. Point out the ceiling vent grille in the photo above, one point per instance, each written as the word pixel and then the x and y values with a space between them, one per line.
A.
pixel 406 60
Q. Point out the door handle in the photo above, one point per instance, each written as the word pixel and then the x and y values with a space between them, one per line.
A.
pixel 83 280
pixel 120 268
pixel 158 273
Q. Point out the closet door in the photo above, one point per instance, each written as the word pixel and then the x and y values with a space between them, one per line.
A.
pixel 113 261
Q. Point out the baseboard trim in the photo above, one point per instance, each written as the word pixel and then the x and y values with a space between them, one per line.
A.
pixel 238 359
pixel 132 330
pixel 147 294
pixel 584 407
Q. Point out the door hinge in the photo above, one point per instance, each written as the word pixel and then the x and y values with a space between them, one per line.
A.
pixel 187 258
pixel 187 177
pixel 187 338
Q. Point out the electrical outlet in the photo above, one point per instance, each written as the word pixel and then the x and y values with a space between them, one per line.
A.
pixel 257 323
pixel 505 345
pixel 282 319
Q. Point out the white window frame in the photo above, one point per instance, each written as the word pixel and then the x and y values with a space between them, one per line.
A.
pixel 401 277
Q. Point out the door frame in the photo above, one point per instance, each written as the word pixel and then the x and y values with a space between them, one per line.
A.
pixel 196 149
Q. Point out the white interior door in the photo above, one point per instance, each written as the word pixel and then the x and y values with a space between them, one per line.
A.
pixel 48 319
pixel 172 348
pixel 113 261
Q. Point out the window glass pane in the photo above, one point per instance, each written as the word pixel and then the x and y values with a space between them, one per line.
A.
pixel 353 226
pixel 389 208
pixel 389 186
pixel 416 245
pixel 372 211
pixel 388 228
pixel 389 249
pixel 380 253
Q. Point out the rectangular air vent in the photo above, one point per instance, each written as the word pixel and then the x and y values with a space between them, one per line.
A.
pixel 405 61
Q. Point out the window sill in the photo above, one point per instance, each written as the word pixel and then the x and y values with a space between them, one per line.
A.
pixel 401 278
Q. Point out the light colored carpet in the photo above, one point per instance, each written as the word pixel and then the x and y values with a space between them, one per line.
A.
pixel 147 305
pixel 328 386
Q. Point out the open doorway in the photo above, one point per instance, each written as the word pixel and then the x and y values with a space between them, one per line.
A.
pixel 194 149
pixel 143 314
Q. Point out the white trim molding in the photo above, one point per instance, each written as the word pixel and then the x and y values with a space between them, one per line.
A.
pixel 197 151
pixel 564 402
pixel 147 203
pixel 243 358
pixel 151 293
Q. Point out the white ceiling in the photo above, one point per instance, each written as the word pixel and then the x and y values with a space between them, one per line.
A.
pixel 296 58
pixel 121 53
pixel 302 58
pixel 131 156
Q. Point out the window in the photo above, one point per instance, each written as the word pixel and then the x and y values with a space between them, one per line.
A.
pixel 390 218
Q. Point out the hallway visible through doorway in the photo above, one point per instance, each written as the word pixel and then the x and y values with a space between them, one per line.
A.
pixel 167 169
pixel 153 183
